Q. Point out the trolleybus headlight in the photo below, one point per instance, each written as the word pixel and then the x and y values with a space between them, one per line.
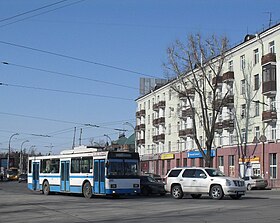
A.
pixel 113 185
pixel 135 185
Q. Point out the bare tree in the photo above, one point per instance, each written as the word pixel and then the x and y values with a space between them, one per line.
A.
pixel 198 68
pixel 244 119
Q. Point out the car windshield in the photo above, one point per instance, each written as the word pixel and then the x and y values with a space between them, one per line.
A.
pixel 214 173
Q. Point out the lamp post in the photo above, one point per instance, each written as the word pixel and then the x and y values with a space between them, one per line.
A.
pixel 8 159
pixel 21 157
pixel 134 129
pixel 109 138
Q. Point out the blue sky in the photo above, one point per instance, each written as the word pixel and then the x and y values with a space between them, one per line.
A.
pixel 69 42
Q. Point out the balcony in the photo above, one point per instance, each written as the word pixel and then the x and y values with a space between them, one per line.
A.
pixel 155 107
pixel 141 141
pixel 184 133
pixel 228 76
pixel 159 121
pixel 218 104
pixel 219 126
pixel 184 114
pixel 159 138
pixel 140 113
pixel 218 80
pixel 228 125
pixel 162 104
pixel 189 93
pixel 140 127
pixel 269 88
pixel 269 58
pixel 229 101
pixel 269 116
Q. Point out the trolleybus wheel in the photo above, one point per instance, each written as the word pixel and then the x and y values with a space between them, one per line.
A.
pixel 87 190
pixel 46 188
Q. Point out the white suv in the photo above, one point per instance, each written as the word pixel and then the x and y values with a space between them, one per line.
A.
pixel 197 181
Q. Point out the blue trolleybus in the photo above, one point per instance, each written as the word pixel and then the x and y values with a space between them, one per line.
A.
pixel 86 171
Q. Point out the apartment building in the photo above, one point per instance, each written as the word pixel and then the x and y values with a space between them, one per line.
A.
pixel 164 121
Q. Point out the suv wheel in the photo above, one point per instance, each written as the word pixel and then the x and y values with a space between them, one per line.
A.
pixel 177 192
pixel 216 192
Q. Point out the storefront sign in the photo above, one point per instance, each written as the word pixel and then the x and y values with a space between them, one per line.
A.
pixel 197 154
pixel 167 156
pixel 255 159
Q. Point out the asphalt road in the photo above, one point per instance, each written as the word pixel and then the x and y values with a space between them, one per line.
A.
pixel 18 204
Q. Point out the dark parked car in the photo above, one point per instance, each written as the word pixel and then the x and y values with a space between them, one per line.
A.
pixel 22 178
pixel 155 176
pixel 149 185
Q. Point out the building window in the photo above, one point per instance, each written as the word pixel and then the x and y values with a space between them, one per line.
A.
pixel 220 139
pixel 162 167
pixel 201 140
pixel 242 86
pixel 149 104
pixel 243 111
pixel 257 108
pixel 273 165
pixel 192 162
pixel 231 139
pixel 201 163
pixel 256 82
pixel 269 73
pixel 231 160
pixel 230 65
pixel 272 104
pixel 257 132
pixel 243 135
pixel 256 56
pixel 242 62
pixel 273 131
pixel 169 146
pixel 169 129
pixel 271 47
pixel 170 94
pixel 168 166
pixel 178 163
pixel 185 162
pixel 220 161
pixel 200 121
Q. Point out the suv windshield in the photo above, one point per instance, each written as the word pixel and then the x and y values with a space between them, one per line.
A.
pixel 214 173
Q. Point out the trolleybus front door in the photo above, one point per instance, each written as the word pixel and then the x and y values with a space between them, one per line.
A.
pixel 64 176
pixel 99 176
pixel 35 176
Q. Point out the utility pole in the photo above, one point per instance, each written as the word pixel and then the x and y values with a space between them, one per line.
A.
pixel 74 138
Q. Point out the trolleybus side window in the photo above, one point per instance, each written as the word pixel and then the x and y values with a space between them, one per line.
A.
pixel 49 166
pixel 86 164
pixel 75 165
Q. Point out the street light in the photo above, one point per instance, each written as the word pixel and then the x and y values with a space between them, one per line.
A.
pixel 109 138
pixel 8 159
pixel 134 129
pixel 20 157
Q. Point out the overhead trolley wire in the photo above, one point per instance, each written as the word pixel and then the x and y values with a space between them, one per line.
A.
pixel 76 58
pixel 45 12
pixel 64 91
pixel 68 75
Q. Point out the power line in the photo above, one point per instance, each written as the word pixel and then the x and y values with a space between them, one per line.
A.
pixel 33 10
pixel 63 91
pixel 76 58
pixel 42 13
pixel 68 75
pixel 101 125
